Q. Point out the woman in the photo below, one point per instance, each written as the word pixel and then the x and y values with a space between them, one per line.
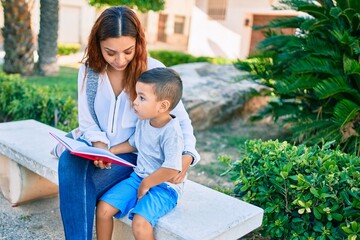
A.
pixel 116 51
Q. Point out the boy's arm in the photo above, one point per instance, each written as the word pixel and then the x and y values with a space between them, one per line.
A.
pixel 159 176
pixel 124 147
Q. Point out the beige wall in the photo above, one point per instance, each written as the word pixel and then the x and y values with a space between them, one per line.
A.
pixel 174 41
pixel 229 38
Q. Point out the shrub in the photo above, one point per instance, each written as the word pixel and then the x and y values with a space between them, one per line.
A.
pixel 314 74
pixel 171 58
pixel 306 192
pixel 19 100
pixel 68 48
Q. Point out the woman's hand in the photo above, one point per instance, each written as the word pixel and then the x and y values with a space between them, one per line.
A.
pixel 102 165
pixel 186 161
pixel 99 163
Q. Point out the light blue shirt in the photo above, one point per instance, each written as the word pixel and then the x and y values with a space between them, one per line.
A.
pixel 158 147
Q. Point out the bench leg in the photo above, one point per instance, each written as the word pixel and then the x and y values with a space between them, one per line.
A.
pixel 19 185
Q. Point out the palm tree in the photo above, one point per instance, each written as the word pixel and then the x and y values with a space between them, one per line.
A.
pixel 314 74
pixel 47 38
pixel 18 37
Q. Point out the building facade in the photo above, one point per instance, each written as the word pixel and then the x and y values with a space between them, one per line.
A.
pixel 215 28
pixel 225 27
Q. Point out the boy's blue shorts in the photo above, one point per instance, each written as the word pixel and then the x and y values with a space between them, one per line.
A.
pixel 157 202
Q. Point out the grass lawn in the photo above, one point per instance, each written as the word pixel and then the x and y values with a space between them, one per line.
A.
pixel 66 80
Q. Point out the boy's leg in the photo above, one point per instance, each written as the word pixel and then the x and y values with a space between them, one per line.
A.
pixel 104 220
pixel 142 228
pixel 157 202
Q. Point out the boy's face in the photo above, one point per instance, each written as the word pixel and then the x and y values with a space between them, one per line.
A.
pixel 146 105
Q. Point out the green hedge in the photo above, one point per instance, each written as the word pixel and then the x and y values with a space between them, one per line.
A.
pixel 171 58
pixel 68 48
pixel 19 100
pixel 306 192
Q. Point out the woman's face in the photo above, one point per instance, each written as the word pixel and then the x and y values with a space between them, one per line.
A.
pixel 118 52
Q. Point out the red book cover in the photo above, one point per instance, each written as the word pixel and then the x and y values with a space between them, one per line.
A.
pixel 81 149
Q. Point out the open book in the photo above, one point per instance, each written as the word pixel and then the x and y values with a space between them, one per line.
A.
pixel 81 149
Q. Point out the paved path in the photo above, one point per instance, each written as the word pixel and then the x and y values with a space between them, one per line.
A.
pixel 39 220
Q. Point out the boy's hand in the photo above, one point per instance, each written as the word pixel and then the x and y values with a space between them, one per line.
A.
pixel 142 191
pixel 179 178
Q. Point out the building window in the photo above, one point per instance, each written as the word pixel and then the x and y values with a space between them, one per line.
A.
pixel 179 24
pixel 217 9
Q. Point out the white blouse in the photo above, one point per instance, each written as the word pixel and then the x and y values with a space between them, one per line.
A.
pixel 117 118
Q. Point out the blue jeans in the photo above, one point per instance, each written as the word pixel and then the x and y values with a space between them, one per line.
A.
pixel 81 184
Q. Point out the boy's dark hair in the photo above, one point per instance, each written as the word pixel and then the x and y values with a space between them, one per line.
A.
pixel 167 84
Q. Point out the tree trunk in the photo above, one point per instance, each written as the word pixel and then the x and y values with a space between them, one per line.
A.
pixel 18 37
pixel 47 39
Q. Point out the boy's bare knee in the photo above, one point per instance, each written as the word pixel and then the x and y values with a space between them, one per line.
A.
pixel 103 210
pixel 139 222
pixel 140 227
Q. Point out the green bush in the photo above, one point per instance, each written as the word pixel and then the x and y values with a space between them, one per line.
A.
pixel 171 58
pixel 19 100
pixel 314 74
pixel 68 48
pixel 306 192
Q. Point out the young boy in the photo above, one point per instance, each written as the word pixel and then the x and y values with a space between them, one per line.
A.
pixel 158 140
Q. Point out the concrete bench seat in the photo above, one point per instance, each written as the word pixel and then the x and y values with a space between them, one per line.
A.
pixel 28 172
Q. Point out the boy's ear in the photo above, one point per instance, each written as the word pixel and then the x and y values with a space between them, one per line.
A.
pixel 164 105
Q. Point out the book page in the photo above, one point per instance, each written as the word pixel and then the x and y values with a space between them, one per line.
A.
pixel 92 153
pixel 69 143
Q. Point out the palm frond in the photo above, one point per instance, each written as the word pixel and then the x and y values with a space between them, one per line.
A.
pixel 344 4
pixel 297 83
pixel 344 112
pixel 312 71
pixel 314 11
pixel 351 67
pixel 317 47
pixel 278 41
pixel 315 65
pixel 333 86
pixel 355 24
pixel 311 130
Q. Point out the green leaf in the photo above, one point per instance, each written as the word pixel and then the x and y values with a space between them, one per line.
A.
pixel 317 214
pixel 337 216
pixel 314 192
pixel 335 11
pixel 355 226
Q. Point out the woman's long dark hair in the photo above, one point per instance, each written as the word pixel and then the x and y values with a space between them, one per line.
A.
pixel 112 23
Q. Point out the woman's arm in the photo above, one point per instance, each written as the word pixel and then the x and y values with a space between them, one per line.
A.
pixel 187 131
pixel 190 156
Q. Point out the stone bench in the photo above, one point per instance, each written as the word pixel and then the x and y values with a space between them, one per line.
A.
pixel 29 172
